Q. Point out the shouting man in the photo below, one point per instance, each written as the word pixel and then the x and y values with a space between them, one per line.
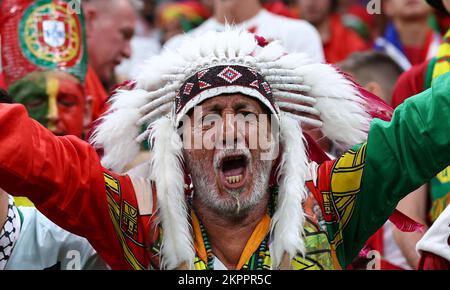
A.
pixel 230 184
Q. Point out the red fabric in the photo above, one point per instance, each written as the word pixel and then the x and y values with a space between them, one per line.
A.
pixel 361 12
pixel 280 8
pixel 443 21
pixel 375 106
pixel 2 82
pixel 417 55
pixel 64 178
pixel 15 64
pixel 95 89
pixel 315 153
pixel 376 242
pixel 405 224
pixel 321 187
pixel 343 41
pixel 409 84
pixel 429 261
pixel 414 54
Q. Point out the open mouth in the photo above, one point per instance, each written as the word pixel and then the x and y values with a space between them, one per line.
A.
pixel 233 171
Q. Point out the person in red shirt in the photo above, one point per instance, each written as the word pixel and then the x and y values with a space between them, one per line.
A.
pixel 429 201
pixel 2 81
pixel 409 38
pixel 333 32
pixel 419 77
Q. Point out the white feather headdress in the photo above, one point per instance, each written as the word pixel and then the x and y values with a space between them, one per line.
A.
pixel 297 85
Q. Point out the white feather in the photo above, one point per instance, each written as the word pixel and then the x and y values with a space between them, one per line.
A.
pixel 288 220
pixel 271 52
pixel 294 60
pixel 117 130
pixel 342 108
pixel 166 170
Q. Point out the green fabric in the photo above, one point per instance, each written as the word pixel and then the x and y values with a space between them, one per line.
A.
pixel 429 73
pixel 433 23
pixel 401 155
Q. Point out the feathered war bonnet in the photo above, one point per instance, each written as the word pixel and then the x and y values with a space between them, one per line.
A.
pixel 211 65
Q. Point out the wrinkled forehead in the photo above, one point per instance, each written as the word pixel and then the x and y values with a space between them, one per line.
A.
pixel 233 102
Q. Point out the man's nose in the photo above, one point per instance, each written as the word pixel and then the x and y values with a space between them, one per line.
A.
pixel 231 135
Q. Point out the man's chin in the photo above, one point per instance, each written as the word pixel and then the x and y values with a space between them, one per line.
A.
pixel 234 202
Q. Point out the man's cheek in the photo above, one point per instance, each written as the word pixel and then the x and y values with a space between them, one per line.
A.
pixel 39 114
pixel 210 138
pixel 72 118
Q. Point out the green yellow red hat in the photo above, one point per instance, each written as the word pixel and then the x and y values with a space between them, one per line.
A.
pixel 42 35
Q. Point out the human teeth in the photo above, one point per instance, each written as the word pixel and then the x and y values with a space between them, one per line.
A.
pixel 234 179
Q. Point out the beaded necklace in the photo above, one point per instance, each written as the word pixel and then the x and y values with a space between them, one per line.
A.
pixel 256 261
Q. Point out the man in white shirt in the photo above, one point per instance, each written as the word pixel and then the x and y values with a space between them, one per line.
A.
pixel 295 35
pixel 30 241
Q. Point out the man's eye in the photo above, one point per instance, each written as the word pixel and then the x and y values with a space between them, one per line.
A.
pixel 246 113
pixel 210 121
pixel 34 103
pixel 67 102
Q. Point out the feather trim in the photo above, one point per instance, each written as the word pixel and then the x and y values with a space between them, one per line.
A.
pixel 166 170
pixel 342 108
pixel 117 130
pixel 287 222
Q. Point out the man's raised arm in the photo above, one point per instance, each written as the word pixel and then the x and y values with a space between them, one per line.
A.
pixel 61 175
pixel 367 182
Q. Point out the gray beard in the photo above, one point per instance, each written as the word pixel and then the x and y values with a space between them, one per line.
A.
pixel 207 193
